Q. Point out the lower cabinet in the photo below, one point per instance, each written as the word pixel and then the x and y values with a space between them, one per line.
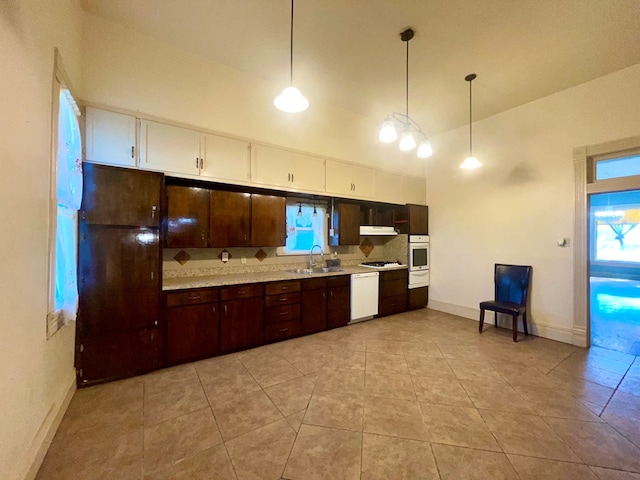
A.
pixel 418 298
pixel 393 292
pixel 314 305
pixel 241 317
pixel 192 325
pixel 338 301
pixel 282 310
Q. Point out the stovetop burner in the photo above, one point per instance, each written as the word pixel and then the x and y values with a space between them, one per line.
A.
pixel 379 264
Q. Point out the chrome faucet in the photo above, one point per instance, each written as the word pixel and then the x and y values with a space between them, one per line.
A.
pixel 312 262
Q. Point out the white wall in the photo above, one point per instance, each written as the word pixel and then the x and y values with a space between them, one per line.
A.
pixel 133 71
pixel 36 374
pixel 521 201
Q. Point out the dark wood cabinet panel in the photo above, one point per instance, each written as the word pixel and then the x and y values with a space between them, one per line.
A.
pixel 338 306
pixel 281 330
pixel 230 219
pixel 390 288
pixel 282 313
pixel 268 221
pixel 119 278
pixel 242 291
pixel 274 288
pixel 418 219
pixel 241 324
pixel 187 217
pixel 346 225
pixel 418 297
pixel 283 299
pixel 191 332
pixel 110 356
pixel 392 304
pixel 192 296
pixel 314 310
pixel 120 196
pixel 393 292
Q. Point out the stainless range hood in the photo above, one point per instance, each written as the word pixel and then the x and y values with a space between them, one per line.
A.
pixel 370 230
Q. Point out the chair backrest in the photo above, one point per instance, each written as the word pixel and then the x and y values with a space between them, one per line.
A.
pixel 512 283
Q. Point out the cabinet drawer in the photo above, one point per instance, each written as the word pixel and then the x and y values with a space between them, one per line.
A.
pixel 339 281
pixel 192 297
pixel 314 284
pixel 282 313
pixel 389 288
pixel 393 275
pixel 391 305
pixel 282 287
pixel 242 291
pixel 281 330
pixel 284 299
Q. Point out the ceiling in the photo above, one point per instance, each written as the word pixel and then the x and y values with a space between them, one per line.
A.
pixel 349 52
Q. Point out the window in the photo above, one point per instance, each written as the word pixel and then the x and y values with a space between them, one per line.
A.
pixel 304 228
pixel 66 197
pixel 616 217
pixel 618 167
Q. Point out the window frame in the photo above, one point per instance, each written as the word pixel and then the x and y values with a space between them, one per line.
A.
pixel 305 203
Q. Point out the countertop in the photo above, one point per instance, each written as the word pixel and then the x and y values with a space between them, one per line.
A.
pixel 180 283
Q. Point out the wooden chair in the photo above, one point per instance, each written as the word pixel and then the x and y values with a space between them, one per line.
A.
pixel 511 291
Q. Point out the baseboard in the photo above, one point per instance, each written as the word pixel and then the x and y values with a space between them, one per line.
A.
pixel 47 431
pixel 552 332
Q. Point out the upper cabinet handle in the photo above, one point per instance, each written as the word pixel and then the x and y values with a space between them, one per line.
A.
pixel 197 162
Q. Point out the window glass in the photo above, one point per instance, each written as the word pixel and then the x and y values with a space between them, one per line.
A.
pixel 304 229
pixel 616 217
pixel 618 167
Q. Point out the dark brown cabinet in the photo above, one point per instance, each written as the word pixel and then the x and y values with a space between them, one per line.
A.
pixel 119 274
pixel 268 221
pixel 241 317
pixel 393 292
pixel 418 219
pixel 345 224
pixel 282 310
pixel 314 305
pixel 230 219
pixel 418 297
pixel 338 301
pixel 187 217
pixel 191 325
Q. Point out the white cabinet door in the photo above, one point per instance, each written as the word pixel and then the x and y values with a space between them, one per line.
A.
pixel 169 149
pixel 415 190
pixel 307 173
pixel 225 158
pixel 364 182
pixel 389 188
pixel 110 138
pixel 339 178
pixel 270 166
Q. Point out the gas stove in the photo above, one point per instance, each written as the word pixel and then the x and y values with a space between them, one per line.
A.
pixel 380 265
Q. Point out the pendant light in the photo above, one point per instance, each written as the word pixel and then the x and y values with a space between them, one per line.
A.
pixel 291 100
pixel 470 162
pixel 412 135
pixel 299 209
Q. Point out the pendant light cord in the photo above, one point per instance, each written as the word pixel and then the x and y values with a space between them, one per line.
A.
pixel 407 83
pixel 291 48
pixel 470 131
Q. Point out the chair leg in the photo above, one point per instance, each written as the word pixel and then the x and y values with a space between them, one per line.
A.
pixel 495 319
pixel 515 328
pixel 524 322
pixel 481 319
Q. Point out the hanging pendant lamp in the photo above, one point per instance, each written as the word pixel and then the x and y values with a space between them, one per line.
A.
pixel 291 100
pixel 470 162
pixel 411 133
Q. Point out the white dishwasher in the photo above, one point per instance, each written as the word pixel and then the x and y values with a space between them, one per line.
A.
pixel 364 296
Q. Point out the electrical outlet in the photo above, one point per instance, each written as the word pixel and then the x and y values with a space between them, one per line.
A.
pixel 243 260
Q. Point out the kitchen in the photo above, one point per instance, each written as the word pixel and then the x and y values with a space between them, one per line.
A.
pixel 527 150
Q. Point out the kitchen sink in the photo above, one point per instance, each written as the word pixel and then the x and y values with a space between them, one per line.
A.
pixel 311 271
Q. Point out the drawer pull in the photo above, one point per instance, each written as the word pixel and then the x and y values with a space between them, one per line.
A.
pixel 283 329
pixel 284 299
pixel 283 313
pixel 194 297
pixel 241 292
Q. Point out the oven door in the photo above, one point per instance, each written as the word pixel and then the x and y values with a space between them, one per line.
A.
pixel 419 279
pixel 418 257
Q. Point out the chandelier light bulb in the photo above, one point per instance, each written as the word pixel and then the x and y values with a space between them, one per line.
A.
pixel 388 132
pixel 291 100
pixel 407 141
pixel 470 163
pixel 424 149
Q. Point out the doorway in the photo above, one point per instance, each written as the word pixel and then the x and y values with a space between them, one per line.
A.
pixel 614 270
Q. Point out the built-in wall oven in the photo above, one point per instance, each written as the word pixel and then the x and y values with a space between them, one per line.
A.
pixel 418 261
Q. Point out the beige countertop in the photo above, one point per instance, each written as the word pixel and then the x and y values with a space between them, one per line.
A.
pixel 181 283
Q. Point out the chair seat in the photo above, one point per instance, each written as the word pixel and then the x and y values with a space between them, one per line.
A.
pixel 507 308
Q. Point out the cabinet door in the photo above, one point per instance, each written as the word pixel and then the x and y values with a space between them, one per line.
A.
pixel 418 219
pixel 225 158
pixel 268 221
pixel 364 182
pixel 338 178
pixel 169 149
pixel 308 173
pixel 187 217
pixel 119 277
pixel 389 188
pixel 271 166
pixel 415 190
pixel 314 311
pixel 110 138
pixel 192 332
pixel 120 196
pixel 241 324
pixel 346 225
pixel 230 219
pixel 338 306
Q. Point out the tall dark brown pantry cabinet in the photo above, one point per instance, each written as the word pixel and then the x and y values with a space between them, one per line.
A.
pixel 119 273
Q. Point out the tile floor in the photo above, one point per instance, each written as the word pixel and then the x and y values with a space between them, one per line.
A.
pixel 419 395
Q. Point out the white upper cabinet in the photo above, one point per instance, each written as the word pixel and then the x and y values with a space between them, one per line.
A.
pixel 350 181
pixel 290 170
pixel 225 158
pixel 110 138
pixel 169 149
pixel 415 190
pixel 389 188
